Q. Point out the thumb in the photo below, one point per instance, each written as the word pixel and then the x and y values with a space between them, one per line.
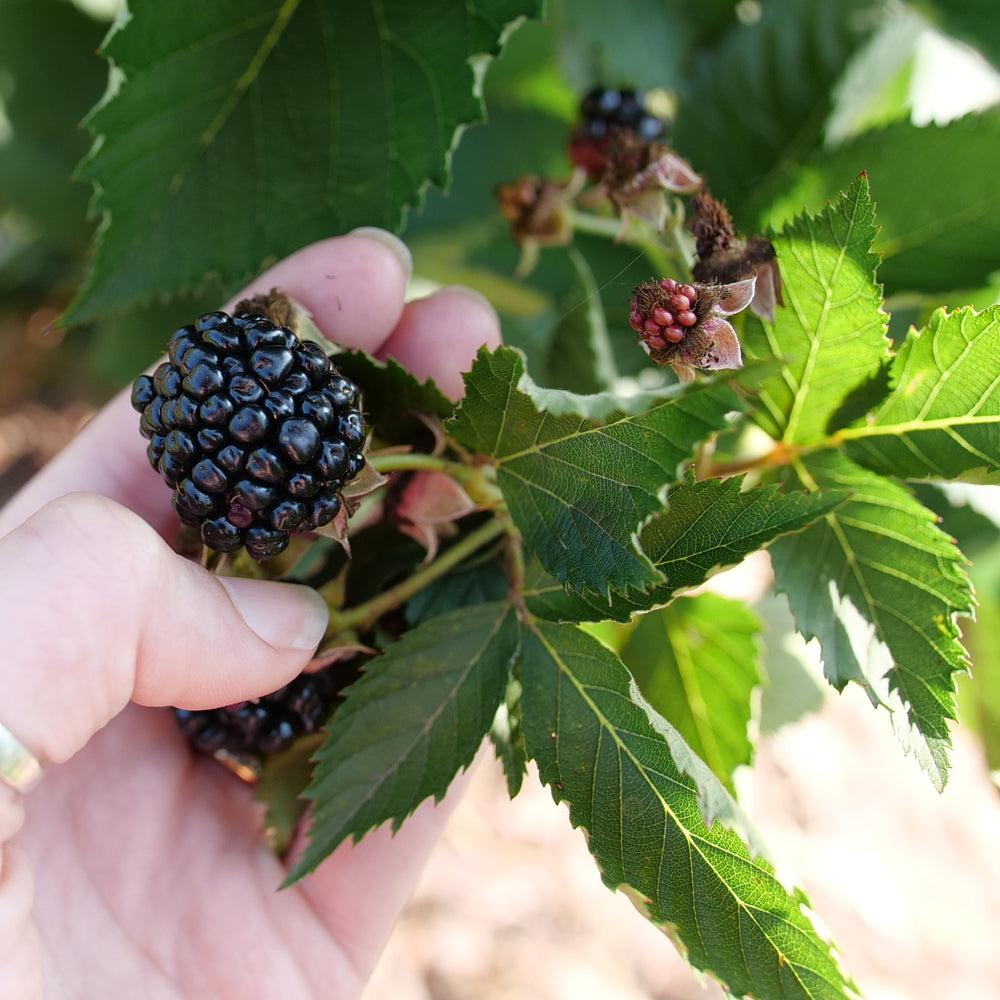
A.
pixel 98 611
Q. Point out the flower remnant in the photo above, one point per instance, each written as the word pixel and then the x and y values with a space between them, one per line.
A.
pixel 640 174
pixel 725 257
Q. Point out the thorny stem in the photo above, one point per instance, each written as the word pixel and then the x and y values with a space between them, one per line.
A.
pixel 363 616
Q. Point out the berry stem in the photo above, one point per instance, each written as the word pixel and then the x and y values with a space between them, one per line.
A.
pixel 662 259
pixel 214 562
pixel 363 616
pixel 779 455
pixel 476 480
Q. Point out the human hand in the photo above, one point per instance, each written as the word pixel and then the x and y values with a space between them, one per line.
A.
pixel 150 877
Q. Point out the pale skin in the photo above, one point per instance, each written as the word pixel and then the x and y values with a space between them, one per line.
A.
pixel 136 869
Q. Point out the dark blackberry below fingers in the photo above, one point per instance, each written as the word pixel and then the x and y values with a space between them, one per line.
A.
pixel 255 729
pixel 254 431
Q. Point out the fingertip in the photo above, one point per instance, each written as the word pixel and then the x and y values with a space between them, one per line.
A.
pixel 352 285
pixel 438 337
pixel 284 615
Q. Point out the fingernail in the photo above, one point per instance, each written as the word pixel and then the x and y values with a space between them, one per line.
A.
pixel 392 243
pixel 473 295
pixel 284 615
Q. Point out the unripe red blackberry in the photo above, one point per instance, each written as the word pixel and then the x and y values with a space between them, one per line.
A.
pixel 665 316
pixel 255 729
pixel 254 430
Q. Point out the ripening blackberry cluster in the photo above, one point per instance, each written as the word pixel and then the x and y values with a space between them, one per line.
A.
pixel 255 431
pixel 669 321
pixel 265 725
pixel 604 108
pixel 601 112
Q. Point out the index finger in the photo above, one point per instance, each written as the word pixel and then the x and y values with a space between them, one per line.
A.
pixel 353 286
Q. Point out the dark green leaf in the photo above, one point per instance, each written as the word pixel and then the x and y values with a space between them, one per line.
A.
pixel 392 397
pixel 409 725
pixel 761 97
pixel 974 21
pixel 942 418
pixel 936 193
pixel 381 555
pixel 707 525
pixel 697 662
pixel 642 796
pixel 51 76
pixel 646 42
pixel 580 356
pixel 478 581
pixel 831 332
pixel 792 688
pixel 578 489
pixel 881 586
pixel 269 143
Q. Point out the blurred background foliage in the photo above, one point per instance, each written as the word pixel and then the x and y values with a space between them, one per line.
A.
pixel 777 102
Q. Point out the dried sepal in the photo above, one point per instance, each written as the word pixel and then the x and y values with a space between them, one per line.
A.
pixel 428 507
pixel 344 648
pixel 725 257
pixel 641 174
pixel 366 482
pixel 538 209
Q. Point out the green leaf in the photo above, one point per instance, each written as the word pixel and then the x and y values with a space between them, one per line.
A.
pixel 979 701
pixel 935 187
pixel 283 778
pixel 707 525
pixel 762 96
pixel 477 581
pixel 50 78
pixel 269 144
pixel 974 21
pixel 580 357
pixel 880 586
pixel 942 418
pixel 392 396
pixel 831 332
pixel 642 796
pixel 792 688
pixel 578 489
pixel 647 42
pixel 697 662
pixel 409 725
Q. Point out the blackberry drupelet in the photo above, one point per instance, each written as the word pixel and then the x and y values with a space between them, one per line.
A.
pixel 266 725
pixel 255 431
pixel 602 110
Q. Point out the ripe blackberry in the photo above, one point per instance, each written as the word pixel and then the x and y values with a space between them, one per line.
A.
pixel 255 431
pixel 255 729
pixel 667 316
pixel 602 111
